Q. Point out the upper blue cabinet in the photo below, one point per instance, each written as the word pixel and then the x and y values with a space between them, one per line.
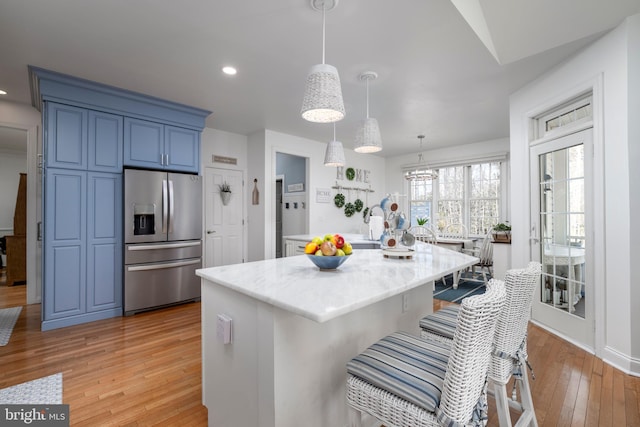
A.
pixel 122 127
pixel 83 139
pixel 67 135
pixel 156 146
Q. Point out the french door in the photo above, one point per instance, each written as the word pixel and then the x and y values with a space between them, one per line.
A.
pixel 561 230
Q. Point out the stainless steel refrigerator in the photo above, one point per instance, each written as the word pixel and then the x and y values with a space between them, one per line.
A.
pixel 163 238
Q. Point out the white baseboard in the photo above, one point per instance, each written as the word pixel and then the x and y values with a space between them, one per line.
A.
pixel 627 364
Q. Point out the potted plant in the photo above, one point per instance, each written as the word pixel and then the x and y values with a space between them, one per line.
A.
pixel 422 220
pixel 502 232
pixel 225 192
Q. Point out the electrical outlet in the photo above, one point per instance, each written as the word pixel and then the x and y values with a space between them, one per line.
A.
pixel 405 303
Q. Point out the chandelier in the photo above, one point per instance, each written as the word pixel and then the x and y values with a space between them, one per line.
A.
pixel 421 172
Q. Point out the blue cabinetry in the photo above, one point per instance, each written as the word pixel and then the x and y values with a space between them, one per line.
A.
pixel 156 146
pixel 105 142
pixel 63 295
pixel 66 142
pixel 82 216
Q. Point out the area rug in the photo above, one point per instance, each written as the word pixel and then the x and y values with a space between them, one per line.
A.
pixel 469 284
pixel 8 318
pixel 43 391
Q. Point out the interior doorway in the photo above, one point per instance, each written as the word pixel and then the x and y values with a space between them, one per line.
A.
pixel 13 216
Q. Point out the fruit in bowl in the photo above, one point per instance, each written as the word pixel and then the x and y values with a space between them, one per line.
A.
pixel 328 252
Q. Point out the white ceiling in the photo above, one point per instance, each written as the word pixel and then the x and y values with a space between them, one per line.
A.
pixel 435 74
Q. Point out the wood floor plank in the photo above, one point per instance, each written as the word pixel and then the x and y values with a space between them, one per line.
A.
pixel 579 415
pixel 145 370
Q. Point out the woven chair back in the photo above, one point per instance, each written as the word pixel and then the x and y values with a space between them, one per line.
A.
pixel 511 328
pixel 469 360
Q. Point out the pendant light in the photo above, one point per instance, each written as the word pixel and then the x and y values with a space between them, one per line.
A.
pixel 322 102
pixel 421 171
pixel 368 138
pixel 334 154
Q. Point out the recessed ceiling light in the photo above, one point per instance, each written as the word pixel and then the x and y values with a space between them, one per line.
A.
pixel 229 70
pixel 2 92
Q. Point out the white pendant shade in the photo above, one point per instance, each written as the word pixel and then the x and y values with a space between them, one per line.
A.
pixel 322 102
pixel 368 138
pixel 334 155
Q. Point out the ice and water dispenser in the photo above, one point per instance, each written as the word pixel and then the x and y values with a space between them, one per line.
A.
pixel 144 219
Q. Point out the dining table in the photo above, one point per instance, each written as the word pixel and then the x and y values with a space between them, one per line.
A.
pixel 456 244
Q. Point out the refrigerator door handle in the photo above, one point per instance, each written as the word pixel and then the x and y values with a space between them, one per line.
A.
pixel 171 203
pixel 163 265
pixel 165 206
pixel 165 246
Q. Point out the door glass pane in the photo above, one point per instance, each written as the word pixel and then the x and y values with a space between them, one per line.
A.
pixel 562 219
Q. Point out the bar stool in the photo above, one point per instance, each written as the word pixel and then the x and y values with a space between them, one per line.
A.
pixel 510 354
pixel 406 380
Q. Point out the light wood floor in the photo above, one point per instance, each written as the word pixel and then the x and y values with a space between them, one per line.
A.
pixel 146 370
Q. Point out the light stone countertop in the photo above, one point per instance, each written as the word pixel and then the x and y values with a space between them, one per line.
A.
pixel 296 285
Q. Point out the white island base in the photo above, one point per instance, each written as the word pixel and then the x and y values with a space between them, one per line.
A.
pixel 285 370
pixel 295 328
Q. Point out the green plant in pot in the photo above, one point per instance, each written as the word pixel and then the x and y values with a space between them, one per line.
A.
pixel 502 232
pixel 422 220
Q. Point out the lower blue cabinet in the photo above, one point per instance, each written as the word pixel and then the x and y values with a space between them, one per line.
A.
pixel 83 247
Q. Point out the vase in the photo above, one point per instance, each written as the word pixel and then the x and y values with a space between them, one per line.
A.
pixel 225 196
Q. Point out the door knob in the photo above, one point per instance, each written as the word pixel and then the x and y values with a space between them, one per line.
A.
pixel 210 231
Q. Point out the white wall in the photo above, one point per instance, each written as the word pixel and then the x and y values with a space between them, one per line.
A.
pixel 615 162
pixel 634 180
pixel 323 217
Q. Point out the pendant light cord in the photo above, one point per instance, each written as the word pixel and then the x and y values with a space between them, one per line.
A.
pixel 368 78
pixel 323 29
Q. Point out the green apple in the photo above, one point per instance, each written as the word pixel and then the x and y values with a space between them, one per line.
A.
pixel 319 253
pixel 317 240
pixel 340 252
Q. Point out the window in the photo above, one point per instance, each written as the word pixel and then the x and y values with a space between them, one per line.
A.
pixel 469 194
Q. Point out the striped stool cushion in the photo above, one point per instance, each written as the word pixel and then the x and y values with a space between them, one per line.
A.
pixel 410 367
pixel 443 322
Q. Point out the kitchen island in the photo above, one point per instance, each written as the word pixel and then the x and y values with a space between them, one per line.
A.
pixel 294 328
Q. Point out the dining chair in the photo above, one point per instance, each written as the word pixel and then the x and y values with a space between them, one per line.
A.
pixel 407 380
pixel 452 231
pixel 485 255
pixel 423 234
pixel 509 357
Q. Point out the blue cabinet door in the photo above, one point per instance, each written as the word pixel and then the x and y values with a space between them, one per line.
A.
pixel 156 146
pixel 65 145
pixel 143 144
pixel 105 142
pixel 182 148
pixel 104 241
pixel 64 243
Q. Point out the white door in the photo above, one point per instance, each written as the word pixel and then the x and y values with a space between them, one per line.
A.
pixel 224 224
pixel 561 230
